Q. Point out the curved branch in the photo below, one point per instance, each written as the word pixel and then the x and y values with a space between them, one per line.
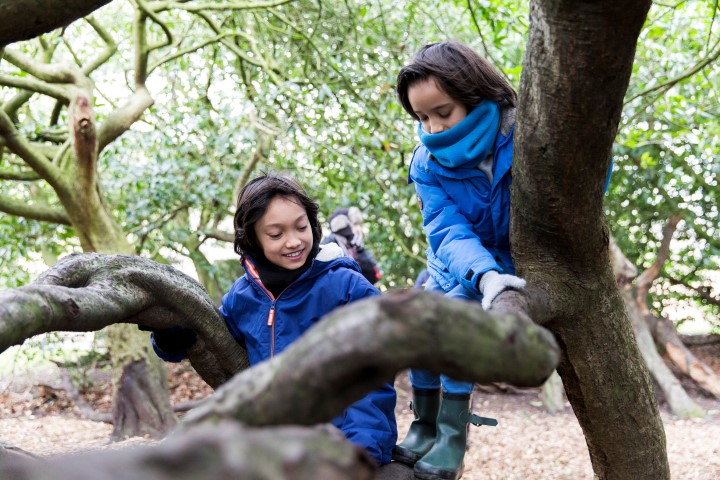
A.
pixel 89 291
pixel 222 452
pixel 645 279
pixel 12 106
pixel 199 6
pixel 50 73
pixel 24 149
pixel 158 21
pixel 22 176
pixel 105 55
pixel 702 291
pixel 372 340
pixel 43 213
pixel 32 85
pixel 679 78
pixel 120 120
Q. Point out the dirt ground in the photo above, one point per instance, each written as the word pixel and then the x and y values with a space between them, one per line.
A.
pixel 529 443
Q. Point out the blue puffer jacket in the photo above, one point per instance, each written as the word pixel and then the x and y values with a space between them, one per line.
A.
pixel 465 217
pixel 267 325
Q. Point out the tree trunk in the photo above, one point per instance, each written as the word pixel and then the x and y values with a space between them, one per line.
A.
pixel 576 70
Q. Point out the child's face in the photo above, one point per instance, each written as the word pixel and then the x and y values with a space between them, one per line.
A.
pixel 436 110
pixel 284 233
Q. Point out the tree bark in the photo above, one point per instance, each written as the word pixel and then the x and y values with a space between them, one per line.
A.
pixel 576 70
pixel 226 451
pixel 35 17
pixel 310 382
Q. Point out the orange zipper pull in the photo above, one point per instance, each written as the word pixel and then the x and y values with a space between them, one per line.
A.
pixel 271 317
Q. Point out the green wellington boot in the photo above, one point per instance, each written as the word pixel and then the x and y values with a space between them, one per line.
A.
pixel 445 460
pixel 421 434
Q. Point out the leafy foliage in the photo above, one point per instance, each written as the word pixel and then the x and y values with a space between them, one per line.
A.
pixel 308 87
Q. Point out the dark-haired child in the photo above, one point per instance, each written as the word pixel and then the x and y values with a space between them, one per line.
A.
pixel 461 171
pixel 290 283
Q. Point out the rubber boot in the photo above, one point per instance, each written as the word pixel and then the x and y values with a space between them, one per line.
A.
pixel 421 434
pixel 445 460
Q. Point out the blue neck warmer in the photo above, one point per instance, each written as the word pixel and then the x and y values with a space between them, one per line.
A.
pixel 469 142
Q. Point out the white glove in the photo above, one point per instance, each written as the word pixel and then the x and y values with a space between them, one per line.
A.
pixel 493 283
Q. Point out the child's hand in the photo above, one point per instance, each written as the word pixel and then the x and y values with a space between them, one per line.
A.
pixel 493 283
pixel 174 340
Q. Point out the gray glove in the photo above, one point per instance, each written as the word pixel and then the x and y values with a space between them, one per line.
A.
pixel 493 283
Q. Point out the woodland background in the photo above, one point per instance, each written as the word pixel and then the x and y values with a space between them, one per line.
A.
pixel 192 98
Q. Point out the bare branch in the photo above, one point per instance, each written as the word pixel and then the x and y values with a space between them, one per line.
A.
pixel 105 55
pixel 679 78
pixel 154 17
pixel 199 6
pixel 220 235
pixel 24 149
pixel 87 292
pixel 645 279
pixel 120 120
pixel 382 336
pixel 32 85
pixel 35 211
pixel 50 73
pixel 22 176
pixel 221 452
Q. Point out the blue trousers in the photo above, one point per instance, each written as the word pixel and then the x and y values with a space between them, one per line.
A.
pixel 429 380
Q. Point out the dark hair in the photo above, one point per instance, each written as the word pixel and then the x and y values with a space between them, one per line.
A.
pixel 460 72
pixel 253 202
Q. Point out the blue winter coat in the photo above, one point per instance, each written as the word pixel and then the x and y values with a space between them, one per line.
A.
pixel 265 326
pixel 466 218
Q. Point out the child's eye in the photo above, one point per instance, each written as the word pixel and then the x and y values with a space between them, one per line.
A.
pixel 274 236
pixel 303 228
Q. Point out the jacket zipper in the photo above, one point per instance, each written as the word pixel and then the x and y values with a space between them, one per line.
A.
pixel 271 314
pixel 271 324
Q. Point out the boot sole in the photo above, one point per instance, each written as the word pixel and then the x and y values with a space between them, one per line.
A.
pixel 403 455
pixel 436 473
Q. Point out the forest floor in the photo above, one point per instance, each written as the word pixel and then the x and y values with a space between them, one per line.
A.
pixel 528 444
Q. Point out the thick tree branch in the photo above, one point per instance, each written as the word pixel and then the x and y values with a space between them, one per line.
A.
pixel 46 72
pixel 87 292
pixel 20 176
pixel 32 85
pixel 222 452
pixel 120 120
pixel 25 150
pixel 372 340
pixel 219 235
pixel 84 139
pixel 32 18
pixel 35 211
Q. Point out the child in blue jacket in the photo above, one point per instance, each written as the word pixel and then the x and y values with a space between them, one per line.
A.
pixel 290 283
pixel 461 170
